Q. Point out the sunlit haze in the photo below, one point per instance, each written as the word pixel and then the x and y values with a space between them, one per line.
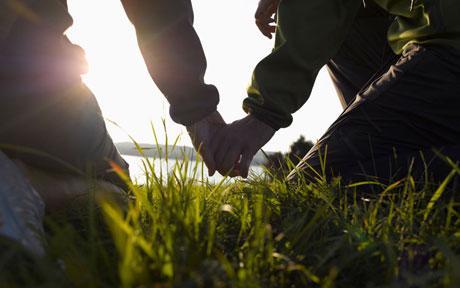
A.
pixel 233 46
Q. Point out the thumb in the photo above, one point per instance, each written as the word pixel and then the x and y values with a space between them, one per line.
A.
pixel 246 159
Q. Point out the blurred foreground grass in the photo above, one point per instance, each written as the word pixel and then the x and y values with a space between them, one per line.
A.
pixel 182 231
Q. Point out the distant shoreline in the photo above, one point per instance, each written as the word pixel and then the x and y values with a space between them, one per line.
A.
pixel 177 152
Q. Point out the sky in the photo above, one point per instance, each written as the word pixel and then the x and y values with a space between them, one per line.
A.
pixel 233 46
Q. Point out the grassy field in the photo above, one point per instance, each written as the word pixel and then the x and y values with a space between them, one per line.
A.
pixel 181 231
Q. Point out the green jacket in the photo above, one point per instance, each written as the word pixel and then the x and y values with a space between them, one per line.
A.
pixel 311 32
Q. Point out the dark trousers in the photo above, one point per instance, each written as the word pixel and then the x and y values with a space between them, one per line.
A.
pixel 48 117
pixel 397 108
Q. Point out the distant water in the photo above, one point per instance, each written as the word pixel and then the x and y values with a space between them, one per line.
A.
pixel 136 168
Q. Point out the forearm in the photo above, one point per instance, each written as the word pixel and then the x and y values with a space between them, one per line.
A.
pixel 309 33
pixel 174 56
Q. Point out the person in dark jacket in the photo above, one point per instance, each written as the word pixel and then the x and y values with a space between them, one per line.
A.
pixel 396 67
pixel 52 121
pixel 52 133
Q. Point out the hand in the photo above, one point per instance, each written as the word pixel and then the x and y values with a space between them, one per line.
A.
pixel 201 133
pixel 264 16
pixel 235 145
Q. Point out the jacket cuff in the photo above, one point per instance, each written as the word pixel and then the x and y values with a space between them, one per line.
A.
pixel 191 118
pixel 269 117
pixel 192 109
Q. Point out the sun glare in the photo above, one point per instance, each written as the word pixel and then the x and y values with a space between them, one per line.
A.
pixel 117 73
pixel 233 46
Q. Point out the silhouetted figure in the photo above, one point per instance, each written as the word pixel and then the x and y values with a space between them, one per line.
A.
pixel 396 67
pixel 50 121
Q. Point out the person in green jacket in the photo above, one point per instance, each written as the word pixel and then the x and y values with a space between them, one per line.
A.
pixel 396 67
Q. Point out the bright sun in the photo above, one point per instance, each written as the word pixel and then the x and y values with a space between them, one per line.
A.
pixel 117 72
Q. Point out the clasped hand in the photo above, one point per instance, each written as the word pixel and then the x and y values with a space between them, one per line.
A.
pixel 229 148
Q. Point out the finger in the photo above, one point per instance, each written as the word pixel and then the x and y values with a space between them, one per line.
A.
pixel 216 140
pixel 219 157
pixel 231 158
pixel 236 170
pixel 269 30
pixel 208 159
pixel 265 31
pixel 220 146
pixel 266 20
pixel 245 163
pixel 262 30
pixel 206 152
pixel 216 143
pixel 265 27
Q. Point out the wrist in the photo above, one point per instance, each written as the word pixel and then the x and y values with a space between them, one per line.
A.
pixel 212 118
pixel 271 117
pixel 261 123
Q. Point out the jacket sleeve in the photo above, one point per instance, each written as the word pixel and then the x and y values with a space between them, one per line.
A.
pixel 174 56
pixel 308 34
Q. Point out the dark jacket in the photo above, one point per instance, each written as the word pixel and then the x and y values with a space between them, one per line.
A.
pixel 168 41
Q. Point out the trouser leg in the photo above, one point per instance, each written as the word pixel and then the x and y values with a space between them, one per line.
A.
pixel 362 54
pixel 414 105
pixel 21 208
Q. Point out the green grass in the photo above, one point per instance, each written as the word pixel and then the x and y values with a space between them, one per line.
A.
pixel 181 231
